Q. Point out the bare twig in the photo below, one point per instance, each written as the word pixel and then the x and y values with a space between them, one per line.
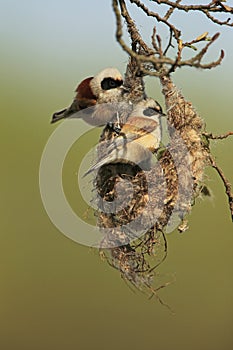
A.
pixel 217 137
pixel 171 10
pixel 154 41
pixel 169 44
pixel 226 183
pixel 213 7
pixel 155 15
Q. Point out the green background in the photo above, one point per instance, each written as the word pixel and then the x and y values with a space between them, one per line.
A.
pixel 55 293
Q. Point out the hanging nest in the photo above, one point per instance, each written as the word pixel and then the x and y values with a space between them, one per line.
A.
pixel 134 236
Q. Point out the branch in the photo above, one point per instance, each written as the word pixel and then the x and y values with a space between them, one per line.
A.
pixel 217 137
pixel 171 10
pixel 226 183
pixel 149 13
pixel 153 61
pixel 214 6
pixel 132 29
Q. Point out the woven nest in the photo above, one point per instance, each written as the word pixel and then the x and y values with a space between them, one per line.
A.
pixel 134 240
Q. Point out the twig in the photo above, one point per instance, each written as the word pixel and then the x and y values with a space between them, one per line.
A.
pixel 153 40
pixel 213 6
pixel 171 10
pixel 169 44
pixel 217 137
pixel 225 182
pixel 149 13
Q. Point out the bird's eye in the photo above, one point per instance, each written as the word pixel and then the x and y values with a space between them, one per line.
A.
pixel 150 111
pixel 110 83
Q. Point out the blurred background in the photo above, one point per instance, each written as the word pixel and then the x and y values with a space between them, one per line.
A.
pixel 54 292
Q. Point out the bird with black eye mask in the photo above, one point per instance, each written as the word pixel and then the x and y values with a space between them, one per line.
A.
pixel 105 89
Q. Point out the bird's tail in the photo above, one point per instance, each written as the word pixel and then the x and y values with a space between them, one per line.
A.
pixel 65 113
pixel 100 163
pixel 59 115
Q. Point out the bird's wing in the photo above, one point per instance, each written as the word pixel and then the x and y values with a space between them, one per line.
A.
pixel 135 128
pixel 142 124
pixel 138 130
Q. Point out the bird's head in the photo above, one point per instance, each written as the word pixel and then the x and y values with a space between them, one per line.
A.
pixel 107 85
pixel 148 108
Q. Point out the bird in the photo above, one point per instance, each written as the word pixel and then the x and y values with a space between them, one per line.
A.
pixel 100 93
pixel 138 139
